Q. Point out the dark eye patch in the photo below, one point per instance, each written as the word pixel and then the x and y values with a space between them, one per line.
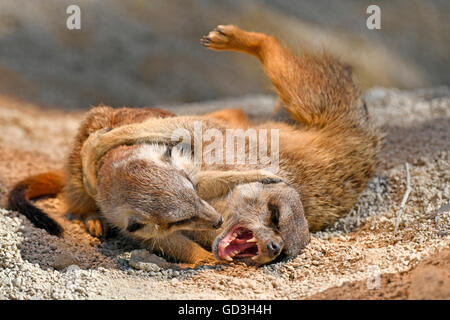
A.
pixel 132 227
pixel 274 214
pixel 181 222
pixel 134 224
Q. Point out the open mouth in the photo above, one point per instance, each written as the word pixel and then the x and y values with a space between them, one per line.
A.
pixel 238 243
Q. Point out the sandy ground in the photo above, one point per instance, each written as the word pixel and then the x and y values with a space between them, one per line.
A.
pixel 359 257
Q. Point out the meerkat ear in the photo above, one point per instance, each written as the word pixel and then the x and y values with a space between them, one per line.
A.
pixel 134 223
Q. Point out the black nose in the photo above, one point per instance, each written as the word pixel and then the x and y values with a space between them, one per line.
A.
pixel 274 248
pixel 218 224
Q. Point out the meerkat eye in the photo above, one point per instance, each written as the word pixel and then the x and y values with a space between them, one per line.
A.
pixel 181 222
pixel 274 214
pixel 134 225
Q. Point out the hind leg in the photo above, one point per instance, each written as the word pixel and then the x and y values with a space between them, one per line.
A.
pixel 315 89
pixel 280 64
pixel 230 37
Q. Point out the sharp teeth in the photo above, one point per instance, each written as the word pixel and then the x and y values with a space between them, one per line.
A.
pixel 234 234
pixel 252 240
pixel 235 252
pixel 223 245
pixel 228 258
pixel 255 257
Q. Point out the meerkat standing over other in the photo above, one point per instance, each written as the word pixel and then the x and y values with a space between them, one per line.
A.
pixel 326 157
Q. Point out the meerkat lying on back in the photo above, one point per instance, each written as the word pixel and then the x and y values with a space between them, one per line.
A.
pixel 148 191
pixel 326 157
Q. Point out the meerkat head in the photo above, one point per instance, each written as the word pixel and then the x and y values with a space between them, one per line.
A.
pixel 142 192
pixel 265 222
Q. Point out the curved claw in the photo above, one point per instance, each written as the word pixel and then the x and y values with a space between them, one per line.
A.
pixel 219 30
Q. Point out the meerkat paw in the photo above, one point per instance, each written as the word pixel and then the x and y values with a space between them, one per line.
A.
pixel 223 37
pixel 208 260
pixel 95 227
pixel 268 177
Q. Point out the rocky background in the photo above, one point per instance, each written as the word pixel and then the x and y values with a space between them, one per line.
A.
pixel 140 52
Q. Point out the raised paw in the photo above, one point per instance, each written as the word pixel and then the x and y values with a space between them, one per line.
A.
pixel 223 37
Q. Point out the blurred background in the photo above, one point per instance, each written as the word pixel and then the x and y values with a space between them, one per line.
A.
pixel 147 52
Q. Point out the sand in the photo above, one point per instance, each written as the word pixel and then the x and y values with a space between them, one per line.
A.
pixel 359 251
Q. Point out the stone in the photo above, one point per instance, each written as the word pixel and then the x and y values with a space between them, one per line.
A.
pixel 146 261
pixel 63 260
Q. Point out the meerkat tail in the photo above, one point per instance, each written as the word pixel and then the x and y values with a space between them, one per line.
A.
pixel 45 184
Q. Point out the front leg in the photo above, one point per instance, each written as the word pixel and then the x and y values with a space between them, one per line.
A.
pixel 97 226
pixel 182 249
pixel 212 184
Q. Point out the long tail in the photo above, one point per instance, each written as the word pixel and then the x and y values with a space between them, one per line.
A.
pixel 45 184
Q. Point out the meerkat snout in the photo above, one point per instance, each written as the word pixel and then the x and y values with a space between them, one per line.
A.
pixel 218 224
pixel 201 216
pixel 210 215
pixel 274 248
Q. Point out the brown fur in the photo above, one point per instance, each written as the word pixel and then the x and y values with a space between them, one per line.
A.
pixel 234 117
pixel 44 184
pixel 78 201
pixel 146 200
pixel 327 156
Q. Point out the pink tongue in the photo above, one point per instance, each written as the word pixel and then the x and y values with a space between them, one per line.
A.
pixel 238 245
